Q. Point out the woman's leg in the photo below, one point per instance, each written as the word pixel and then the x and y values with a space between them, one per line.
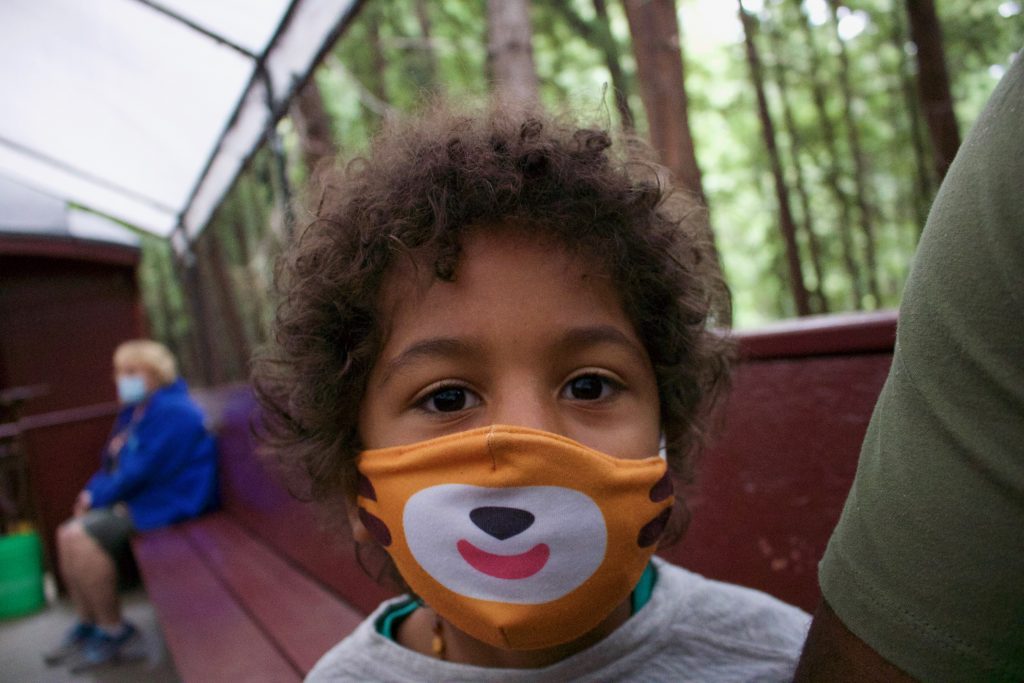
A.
pixel 90 575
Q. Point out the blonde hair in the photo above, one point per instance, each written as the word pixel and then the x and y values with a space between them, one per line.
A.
pixel 152 354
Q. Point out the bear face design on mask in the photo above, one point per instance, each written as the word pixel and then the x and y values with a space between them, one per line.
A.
pixel 521 538
pixel 506 544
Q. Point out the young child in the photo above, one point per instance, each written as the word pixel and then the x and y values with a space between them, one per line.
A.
pixel 494 346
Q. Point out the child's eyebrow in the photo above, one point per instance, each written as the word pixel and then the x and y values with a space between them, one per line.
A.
pixel 582 337
pixel 444 347
pixel 573 339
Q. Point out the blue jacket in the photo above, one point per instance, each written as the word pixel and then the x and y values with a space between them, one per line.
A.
pixel 166 471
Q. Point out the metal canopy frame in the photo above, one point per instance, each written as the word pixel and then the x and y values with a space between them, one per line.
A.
pixel 275 73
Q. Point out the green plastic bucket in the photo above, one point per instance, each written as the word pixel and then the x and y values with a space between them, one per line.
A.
pixel 21 575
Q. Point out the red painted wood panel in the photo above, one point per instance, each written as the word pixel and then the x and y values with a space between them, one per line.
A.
pixel 62 457
pixel 820 335
pixel 204 626
pixel 772 487
pixel 65 304
pixel 299 615
pixel 71 248
pixel 62 320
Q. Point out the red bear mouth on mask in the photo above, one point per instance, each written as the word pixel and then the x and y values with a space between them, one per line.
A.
pixel 521 566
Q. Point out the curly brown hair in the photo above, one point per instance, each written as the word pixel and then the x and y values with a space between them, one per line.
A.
pixel 425 182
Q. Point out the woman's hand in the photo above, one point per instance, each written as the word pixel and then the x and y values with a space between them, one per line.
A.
pixel 82 503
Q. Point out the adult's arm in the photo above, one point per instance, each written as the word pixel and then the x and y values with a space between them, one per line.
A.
pixel 163 437
pixel 925 570
pixel 832 653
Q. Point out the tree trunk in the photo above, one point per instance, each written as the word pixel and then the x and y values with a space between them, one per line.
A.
pixel 922 198
pixel 376 83
pixel 245 279
pixel 510 51
pixel 833 170
pixel 238 343
pixel 313 125
pixel 241 237
pixel 164 284
pixel 599 32
pixel 214 328
pixel 656 47
pixel 786 223
pixel 371 87
pixel 434 82
pixel 807 224
pixel 188 275
pixel 933 83
pixel 866 209
pixel 654 29
pixel 610 49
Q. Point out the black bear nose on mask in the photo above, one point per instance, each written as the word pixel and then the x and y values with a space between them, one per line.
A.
pixel 501 522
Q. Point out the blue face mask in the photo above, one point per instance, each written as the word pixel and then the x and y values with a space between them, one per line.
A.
pixel 131 389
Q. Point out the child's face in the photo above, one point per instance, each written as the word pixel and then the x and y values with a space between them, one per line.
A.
pixel 527 335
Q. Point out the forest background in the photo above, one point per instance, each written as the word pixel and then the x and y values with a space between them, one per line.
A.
pixel 817 132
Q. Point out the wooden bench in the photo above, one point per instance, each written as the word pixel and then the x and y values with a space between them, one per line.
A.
pixel 259 591
pixel 255 591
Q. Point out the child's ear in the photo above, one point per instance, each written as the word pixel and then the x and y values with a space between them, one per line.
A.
pixel 359 532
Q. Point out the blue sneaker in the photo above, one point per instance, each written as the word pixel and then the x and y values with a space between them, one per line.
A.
pixel 73 643
pixel 102 648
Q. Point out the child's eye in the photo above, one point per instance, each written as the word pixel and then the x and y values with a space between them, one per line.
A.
pixel 449 400
pixel 589 388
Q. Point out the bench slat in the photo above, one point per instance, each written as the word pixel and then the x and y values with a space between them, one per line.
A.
pixel 208 634
pixel 303 618
pixel 254 496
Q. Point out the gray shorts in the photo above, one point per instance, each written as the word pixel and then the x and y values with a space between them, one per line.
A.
pixel 113 528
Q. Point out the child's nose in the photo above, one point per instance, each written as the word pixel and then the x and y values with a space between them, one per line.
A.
pixel 501 522
pixel 526 404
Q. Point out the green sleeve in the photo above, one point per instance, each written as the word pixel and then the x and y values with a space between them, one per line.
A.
pixel 927 562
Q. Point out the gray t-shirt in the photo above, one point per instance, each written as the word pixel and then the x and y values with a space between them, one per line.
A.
pixel 692 629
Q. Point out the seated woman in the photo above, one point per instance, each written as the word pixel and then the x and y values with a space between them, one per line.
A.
pixel 158 467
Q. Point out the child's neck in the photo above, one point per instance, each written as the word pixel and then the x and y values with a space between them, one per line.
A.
pixel 417 633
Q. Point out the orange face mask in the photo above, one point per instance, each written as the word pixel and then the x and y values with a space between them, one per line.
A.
pixel 521 538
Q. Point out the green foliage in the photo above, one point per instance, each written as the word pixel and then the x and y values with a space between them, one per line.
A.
pixel 899 188
pixel 164 300
pixel 977 38
pixel 386 61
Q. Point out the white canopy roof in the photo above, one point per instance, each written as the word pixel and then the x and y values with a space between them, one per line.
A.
pixel 145 110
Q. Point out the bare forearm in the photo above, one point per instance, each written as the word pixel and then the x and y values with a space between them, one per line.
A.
pixel 834 654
